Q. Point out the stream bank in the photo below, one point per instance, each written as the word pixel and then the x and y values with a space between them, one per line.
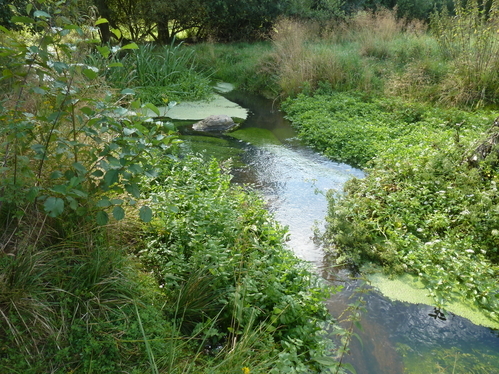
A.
pixel 397 337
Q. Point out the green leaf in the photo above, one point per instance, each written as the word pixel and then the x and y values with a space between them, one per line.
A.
pixel 73 204
pixel 136 169
pixel 115 65
pixel 87 110
pixel 133 189
pixel 130 46
pixel 41 14
pixel 359 339
pixel 56 175
pixel 60 66
pixel 118 213
pixel 60 188
pixel 169 126
pixel 326 361
pixel 29 7
pixel 79 193
pixel 72 27
pixel 135 104
pixel 32 194
pixel 151 173
pixel 127 91
pixel 145 213
pixel 104 51
pixel 116 33
pixel 102 218
pixel 111 177
pixel 39 90
pixel 21 19
pixel 54 206
pixel 153 108
pixel 103 203
pixel 348 367
pixel 79 168
pixel 100 21
pixel 90 74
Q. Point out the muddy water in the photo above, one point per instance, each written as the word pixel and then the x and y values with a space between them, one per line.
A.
pixel 395 337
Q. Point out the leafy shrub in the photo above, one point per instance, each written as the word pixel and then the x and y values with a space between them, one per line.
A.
pixel 422 208
pixel 222 245
pixel 343 126
pixel 67 145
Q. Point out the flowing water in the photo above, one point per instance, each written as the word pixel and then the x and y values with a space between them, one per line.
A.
pixel 396 337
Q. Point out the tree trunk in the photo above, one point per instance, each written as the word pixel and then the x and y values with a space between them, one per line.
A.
pixel 163 32
pixel 105 28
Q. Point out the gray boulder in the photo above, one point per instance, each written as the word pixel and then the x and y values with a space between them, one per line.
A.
pixel 215 123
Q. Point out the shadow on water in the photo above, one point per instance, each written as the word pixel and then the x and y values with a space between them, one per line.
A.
pixel 396 337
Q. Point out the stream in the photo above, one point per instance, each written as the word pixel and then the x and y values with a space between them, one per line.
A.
pixel 396 337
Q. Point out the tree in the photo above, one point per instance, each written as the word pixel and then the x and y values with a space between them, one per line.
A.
pixel 229 20
pixel 6 12
pixel 224 20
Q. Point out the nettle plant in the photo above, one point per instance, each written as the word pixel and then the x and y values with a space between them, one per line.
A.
pixel 68 144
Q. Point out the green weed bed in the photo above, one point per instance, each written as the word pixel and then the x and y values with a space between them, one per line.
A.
pixel 428 204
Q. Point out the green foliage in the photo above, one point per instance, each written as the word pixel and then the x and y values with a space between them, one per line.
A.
pixel 367 53
pixel 469 39
pixel 247 66
pixel 67 308
pixel 343 126
pixel 159 75
pixel 421 9
pixel 6 12
pixel 209 239
pixel 222 20
pixel 66 144
pixel 422 208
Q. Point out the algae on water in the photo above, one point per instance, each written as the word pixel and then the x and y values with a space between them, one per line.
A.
pixel 198 110
pixel 409 289
pixel 210 146
pixel 256 136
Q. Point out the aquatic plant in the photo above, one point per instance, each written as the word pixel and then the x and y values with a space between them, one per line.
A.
pixel 422 208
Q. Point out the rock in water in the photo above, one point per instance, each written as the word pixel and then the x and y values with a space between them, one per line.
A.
pixel 215 123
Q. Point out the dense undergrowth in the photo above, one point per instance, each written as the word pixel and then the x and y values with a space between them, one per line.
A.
pixel 116 255
pixel 451 62
pixel 407 102
pixel 428 204
pixel 159 75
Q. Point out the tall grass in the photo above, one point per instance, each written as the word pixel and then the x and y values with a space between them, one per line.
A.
pixel 302 61
pixel 469 41
pixel 452 61
pixel 371 52
pixel 159 74
pixel 248 66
